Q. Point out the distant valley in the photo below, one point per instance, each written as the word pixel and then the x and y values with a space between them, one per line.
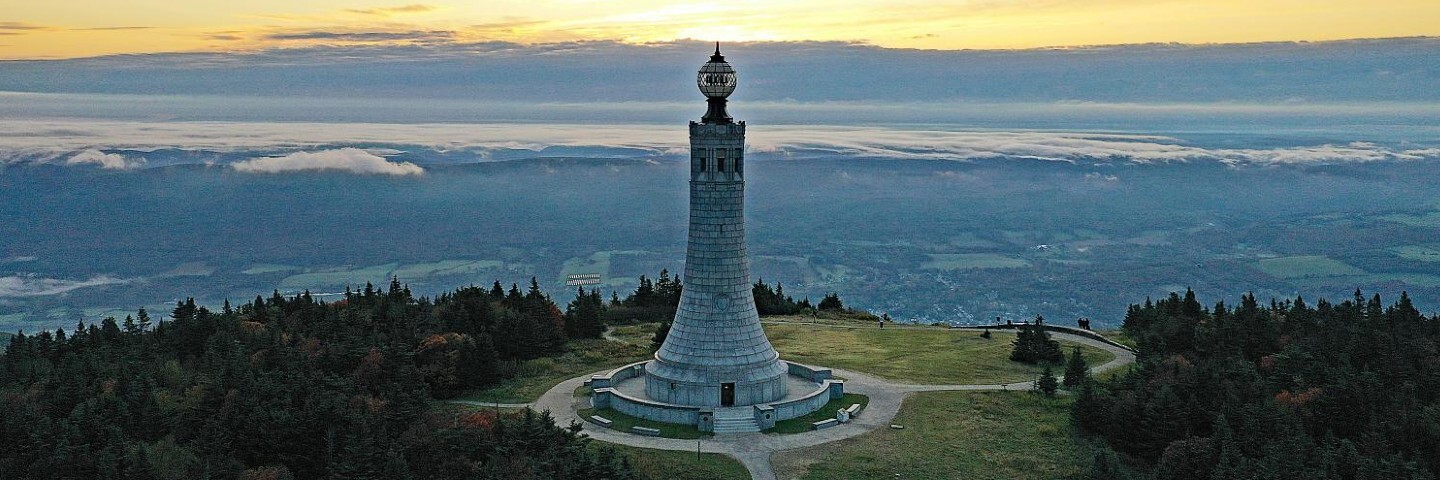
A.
pixel 923 240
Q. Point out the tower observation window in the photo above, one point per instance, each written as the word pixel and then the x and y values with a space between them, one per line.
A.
pixel 720 160
pixel 700 158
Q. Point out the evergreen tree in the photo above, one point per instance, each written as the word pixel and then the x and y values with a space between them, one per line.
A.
pixel 1076 370
pixel 585 315
pixel 1047 383
pixel 1033 345
pixel 661 333
pixel 143 318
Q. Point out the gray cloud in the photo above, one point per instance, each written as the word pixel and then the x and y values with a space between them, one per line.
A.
pixel 413 35
pixel 16 286
pixel 352 160
pixel 401 62
pixel 21 26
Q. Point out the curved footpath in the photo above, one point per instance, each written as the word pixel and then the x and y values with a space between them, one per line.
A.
pixel 754 449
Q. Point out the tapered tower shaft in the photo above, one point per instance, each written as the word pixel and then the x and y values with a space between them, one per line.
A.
pixel 716 353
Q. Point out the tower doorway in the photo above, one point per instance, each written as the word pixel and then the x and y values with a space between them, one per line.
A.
pixel 727 394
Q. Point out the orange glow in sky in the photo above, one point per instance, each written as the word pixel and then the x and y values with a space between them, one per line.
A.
pixel 76 28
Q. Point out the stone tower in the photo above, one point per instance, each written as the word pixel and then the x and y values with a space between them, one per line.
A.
pixel 716 353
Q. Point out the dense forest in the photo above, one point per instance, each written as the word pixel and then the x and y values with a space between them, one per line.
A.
pixel 1289 390
pixel 294 387
pixel 656 301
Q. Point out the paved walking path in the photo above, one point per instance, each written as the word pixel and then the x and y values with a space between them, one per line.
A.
pixel 754 449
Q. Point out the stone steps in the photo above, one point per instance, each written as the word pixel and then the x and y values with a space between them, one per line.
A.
pixel 735 420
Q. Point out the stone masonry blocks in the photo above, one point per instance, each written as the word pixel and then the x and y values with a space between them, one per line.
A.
pixel 716 344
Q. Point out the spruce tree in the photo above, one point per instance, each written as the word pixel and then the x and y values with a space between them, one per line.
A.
pixel 660 333
pixel 1047 383
pixel 1033 345
pixel 1075 370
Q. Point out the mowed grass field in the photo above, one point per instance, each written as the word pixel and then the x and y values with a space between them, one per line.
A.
pixel 1427 219
pixel 910 354
pixel 964 261
pixel 653 464
pixel 534 377
pixel 1421 253
pixel 1306 266
pixel 922 355
pixel 970 435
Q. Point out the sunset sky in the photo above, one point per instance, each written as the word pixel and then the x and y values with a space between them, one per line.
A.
pixel 78 28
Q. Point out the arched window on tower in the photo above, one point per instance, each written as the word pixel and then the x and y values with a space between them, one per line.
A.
pixel 720 160
pixel 739 164
pixel 700 158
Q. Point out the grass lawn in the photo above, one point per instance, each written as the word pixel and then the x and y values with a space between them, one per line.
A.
pixel 970 435
pixel 638 334
pixel 802 424
pixel 926 355
pixel 1306 266
pixel 533 378
pixel 1119 336
pixel 623 422
pixel 963 261
pixel 653 464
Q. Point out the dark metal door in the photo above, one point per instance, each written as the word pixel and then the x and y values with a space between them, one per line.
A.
pixel 727 394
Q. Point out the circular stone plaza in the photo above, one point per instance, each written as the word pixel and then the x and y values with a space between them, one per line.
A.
pixel 716 370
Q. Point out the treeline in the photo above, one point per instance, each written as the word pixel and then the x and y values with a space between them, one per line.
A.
pixel 293 387
pixel 1279 391
pixel 657 300
pixel 652 300
pixel 774 301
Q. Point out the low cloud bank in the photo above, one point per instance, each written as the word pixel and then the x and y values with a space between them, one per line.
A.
pixel 17 286
pixel 351 160
pixel 108 161
pixel 50 141
pixel 1067 147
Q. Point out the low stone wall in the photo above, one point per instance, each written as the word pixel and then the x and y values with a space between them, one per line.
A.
pixel 605 396
pixel 639 408
pixel 609 379
pixel 816 375
pixel 828 390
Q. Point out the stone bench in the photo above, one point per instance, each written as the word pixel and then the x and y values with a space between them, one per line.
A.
pixel 824 424
pixel 853 410
pixel 647 431
pixel 601 421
